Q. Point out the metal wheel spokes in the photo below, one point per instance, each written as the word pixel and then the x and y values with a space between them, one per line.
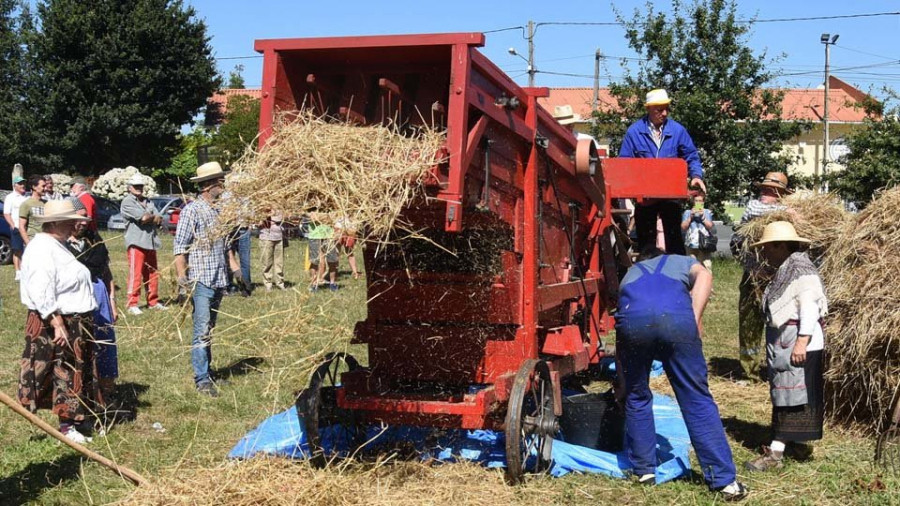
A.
pixel 327 426
pixel 887 450
pixel 530 421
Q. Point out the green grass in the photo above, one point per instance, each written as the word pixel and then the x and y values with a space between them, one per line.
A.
pixel 734 212
pixel 269 343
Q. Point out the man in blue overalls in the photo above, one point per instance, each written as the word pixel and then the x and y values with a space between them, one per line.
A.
pixel 657 136
pixel 661 302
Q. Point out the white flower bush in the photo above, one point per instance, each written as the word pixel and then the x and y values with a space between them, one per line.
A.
pixel 62 183
pixel 114 184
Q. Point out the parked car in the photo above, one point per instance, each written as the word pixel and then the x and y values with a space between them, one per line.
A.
pixel 5 244
pixel 105 209
pixel 167 205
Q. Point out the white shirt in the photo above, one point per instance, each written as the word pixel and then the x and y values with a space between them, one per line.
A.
pixel 54 280
pixel 11 205
pixel 808 314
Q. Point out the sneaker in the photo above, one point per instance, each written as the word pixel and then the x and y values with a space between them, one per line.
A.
pixel 268 288
pixel 282 287
pixel 647 479
pixel 134 310
pixel 18 275
pixel 73 435
pixel 768 460
pixel 734 491
pixel 208 388
pixel 333 287
pixel 313 288
pixel 159 306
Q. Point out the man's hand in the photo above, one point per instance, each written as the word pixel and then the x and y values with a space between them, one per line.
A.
pixel 698 183
pixel 60 334
pixel 798 354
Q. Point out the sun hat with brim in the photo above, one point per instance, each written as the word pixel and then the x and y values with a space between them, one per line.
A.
pixel 59 210
pixel 137 180
pixel 18 179
pixel 776 180
pixel 657 97
pixel 207 171
pixel 779 231
pixel 565 115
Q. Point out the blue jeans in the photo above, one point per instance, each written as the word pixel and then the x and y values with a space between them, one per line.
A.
pixel 674 340
pixel 206 302
pixel 244 254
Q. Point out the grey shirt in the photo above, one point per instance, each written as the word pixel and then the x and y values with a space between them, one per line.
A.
pixel 142 235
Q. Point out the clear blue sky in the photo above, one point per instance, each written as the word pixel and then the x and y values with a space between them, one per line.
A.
pixel 869 42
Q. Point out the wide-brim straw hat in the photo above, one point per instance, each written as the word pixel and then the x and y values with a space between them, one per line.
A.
pixel 779 231
pixel 207 171
pixel 565 115
pixel 657 97
pixel 776 180
pixel 59 210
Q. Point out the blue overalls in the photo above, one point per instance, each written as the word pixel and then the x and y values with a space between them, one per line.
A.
pixel 656 321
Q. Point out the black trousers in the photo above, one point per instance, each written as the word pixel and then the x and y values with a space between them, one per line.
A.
pixel 669 211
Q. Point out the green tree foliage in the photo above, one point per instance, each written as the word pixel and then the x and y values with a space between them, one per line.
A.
pixel 236 78
pixel 239 129
pixel 699 54
pixel 115 80
pixel 12 60
pixel 873 162
pixel 184 163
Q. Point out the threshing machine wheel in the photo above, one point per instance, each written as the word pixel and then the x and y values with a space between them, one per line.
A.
pixel 322 419
pixel 887 446
pixel 530 421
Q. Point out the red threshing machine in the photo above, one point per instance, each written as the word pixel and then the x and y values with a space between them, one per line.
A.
pixel 484 337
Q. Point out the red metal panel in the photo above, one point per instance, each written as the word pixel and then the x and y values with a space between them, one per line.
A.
pixel 646 178
pixel 371 41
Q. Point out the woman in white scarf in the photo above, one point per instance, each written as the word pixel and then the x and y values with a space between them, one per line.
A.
pixel 795 305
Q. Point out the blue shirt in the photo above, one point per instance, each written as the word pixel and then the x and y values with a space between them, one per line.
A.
pixel 692 235
pixel 676 143
pixel 196 237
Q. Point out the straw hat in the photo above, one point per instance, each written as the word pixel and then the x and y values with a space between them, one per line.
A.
pixel 657 97
pixel 565 115
pixel 777 180
pixel 207 171
pixel 59 210
pixel 137 180
pixel 779 231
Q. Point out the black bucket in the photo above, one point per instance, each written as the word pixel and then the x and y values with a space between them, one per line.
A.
pixel 593 421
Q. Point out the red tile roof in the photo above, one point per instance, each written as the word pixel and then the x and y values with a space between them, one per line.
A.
pixel 798 103
pixel 220 98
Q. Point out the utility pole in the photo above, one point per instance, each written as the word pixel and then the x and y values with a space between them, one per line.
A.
pixel 595 101
pixel 531 70
pixel 828 40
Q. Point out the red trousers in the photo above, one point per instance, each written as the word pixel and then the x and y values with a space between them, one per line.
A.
pixel 142 270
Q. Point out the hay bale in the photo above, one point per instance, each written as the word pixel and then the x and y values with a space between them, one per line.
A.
pixel 364 174
pixel 863 376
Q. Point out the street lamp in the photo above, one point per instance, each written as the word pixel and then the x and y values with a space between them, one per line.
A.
pixel 530 59
pixel 829 41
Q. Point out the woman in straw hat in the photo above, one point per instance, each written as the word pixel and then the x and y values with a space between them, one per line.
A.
pixel 58 367
pixel 795 304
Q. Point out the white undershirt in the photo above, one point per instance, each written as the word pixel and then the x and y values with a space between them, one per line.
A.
pixel 53 279
pixel 809 323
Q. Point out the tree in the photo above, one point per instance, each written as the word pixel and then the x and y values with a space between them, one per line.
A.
pixel 873 161
pixel 239 129
pixel 116 79
pixel 12 109
pixel 236 78
pixel 184 163
pixel 699 54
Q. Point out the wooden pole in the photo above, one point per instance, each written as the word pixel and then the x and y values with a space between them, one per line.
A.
pixel 121 470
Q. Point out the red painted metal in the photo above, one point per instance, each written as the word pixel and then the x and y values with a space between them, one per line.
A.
pixel 446 333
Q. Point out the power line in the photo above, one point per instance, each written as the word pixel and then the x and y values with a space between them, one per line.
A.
pixel 819 18
pixel 863 52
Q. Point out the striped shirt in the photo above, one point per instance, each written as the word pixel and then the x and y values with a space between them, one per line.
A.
pixel 755 209
pixel 194 238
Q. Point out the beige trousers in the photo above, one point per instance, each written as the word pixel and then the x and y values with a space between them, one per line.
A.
pixel 272 262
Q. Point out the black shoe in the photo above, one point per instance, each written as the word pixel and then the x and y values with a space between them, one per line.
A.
pixel 208 388
pixel 735 491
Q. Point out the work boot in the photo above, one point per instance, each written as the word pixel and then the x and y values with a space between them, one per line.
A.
pixel 768 460
pixel 734 491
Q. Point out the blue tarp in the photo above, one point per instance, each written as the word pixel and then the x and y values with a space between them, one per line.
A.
pixel 281 435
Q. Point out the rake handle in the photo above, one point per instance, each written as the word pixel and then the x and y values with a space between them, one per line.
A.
pixel 123 471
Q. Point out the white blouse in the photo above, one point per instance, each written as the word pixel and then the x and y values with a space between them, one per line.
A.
pixel 53 280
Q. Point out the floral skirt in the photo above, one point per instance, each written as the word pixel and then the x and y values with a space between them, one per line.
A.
pixel 60 378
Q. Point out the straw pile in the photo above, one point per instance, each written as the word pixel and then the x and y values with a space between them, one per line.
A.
pixel 817 217
pixel 363 174
pixel 271 481
pixel 863 375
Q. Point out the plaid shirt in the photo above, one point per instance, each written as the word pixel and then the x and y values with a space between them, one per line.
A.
pixel 755 209
pixel 206 256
